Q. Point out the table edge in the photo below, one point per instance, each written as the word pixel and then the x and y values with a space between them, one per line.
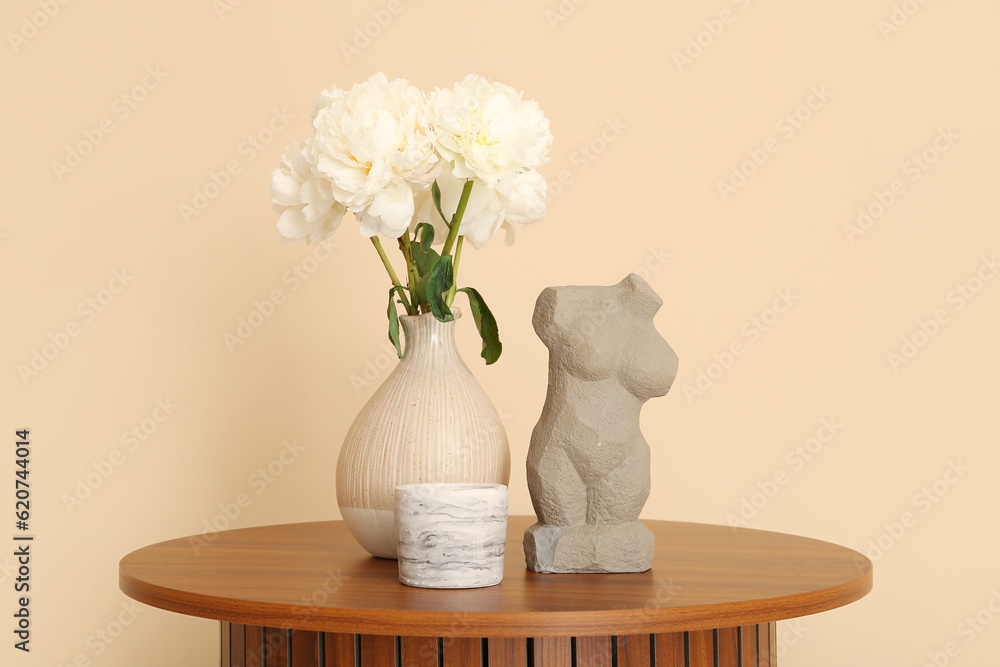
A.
pixel 501 624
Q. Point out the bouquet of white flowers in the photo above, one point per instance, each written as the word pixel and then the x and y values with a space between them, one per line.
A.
pixel 424 169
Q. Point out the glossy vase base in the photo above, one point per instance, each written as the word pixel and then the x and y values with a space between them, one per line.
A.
pixel 373 529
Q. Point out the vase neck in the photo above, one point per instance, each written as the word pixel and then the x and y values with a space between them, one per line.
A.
pixel 424 333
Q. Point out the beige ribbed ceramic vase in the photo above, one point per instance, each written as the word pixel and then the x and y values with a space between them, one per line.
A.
pixel 430 421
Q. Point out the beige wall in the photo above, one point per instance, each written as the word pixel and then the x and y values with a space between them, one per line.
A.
pixel 664 134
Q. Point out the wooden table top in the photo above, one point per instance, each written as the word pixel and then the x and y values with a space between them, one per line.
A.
pixel 315 576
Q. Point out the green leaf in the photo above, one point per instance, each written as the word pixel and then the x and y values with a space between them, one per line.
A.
pixel 438 283
pixel 424 256
pixel 394 321
pixel 487 325
pixel 424 235
pixel 419 292
pixel 436 196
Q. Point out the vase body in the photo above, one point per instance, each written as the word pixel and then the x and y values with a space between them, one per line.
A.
pixel 430 421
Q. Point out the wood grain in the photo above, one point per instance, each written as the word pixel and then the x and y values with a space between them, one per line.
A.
pixel 462 652
pixel 721 576
pixel 276 647
pixel 670 649
pixel 701 648
pixel 418 652
pixel 304 648
pixel 226 643
pixel 633 651
pixel 339 649
pixel 378 651
pixel 254 646
pixel 722 647
pixel 764 648
pixel 728 649
pixel 237 645
pixel 508 651
pixel 553 651
pixel 748 637
pixel 594 651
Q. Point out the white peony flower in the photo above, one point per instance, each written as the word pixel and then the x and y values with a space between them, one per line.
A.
pixel 325 99
pixel 485 131
pixel 374 146
pixel 524 197
pixel 483 213
pixel 519 199
pixel 308 210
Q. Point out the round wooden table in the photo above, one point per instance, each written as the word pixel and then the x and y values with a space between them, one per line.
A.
pixel 307 594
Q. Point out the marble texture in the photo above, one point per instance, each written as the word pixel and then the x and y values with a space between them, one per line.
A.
pixel 451 535
pixel 430 421
pixel 588 464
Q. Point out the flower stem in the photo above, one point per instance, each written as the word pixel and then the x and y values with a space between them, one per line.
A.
pixel 456 220
pixel 411 267
pixel 454 283
pixel 392 273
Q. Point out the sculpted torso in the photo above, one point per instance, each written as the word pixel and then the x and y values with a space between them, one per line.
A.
pixel 588 464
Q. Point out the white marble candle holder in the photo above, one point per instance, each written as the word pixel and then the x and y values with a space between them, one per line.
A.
pixel 451 535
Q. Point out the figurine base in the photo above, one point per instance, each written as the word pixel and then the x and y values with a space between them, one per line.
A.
pixel 626 547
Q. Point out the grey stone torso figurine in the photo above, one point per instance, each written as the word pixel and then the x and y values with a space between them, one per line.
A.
pixel 588 464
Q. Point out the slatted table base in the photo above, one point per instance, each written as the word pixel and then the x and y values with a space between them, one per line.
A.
pixel 254 646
